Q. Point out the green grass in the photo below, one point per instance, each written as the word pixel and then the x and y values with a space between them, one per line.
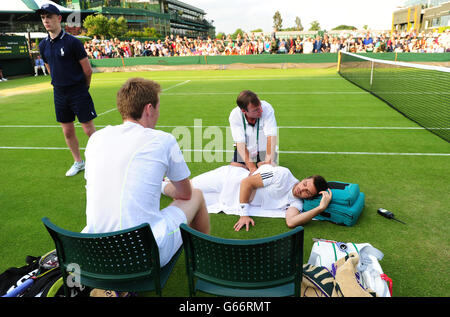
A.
pixel 414 187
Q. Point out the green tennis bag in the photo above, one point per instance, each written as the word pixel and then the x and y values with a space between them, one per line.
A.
pixel 347 204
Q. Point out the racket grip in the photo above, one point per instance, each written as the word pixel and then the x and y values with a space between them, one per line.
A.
pixel 19 289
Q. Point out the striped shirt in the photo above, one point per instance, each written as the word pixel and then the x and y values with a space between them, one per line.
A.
pixel 278 182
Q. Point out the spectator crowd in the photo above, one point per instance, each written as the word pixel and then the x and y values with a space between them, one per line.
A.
pixel 250 44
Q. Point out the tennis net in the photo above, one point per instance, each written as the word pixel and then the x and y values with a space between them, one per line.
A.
pixel 419 92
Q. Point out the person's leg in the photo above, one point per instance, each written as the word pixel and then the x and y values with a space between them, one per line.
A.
pixel 211 181
pixel 88 127
pixel 71 139
pixel 195 210
pixel 83 108
pixel 66 118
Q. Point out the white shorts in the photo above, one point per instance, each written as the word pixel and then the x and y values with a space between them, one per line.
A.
pixel 172 241
pixel 221 185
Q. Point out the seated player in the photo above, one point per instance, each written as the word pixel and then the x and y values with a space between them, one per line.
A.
pixel 125 165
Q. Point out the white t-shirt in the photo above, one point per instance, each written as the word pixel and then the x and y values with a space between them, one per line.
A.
pixel 277 191
pixel 307 46
pixel 248 134
pixel 125 166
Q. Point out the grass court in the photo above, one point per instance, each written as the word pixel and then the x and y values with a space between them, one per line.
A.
pixel 327 126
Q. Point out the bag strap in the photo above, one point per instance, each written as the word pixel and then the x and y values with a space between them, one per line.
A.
pixel 389 280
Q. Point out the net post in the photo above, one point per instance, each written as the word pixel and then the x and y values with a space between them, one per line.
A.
pixel 339 62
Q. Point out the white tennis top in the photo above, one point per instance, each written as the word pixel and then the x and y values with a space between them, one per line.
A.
pixel 277 191
pixel 125 166
pixel 247 134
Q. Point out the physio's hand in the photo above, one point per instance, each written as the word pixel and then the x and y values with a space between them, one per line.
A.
pixel 244 221
pixel 326 199
pixel 252 169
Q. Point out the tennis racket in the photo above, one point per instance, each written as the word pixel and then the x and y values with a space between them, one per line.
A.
pixel 47 263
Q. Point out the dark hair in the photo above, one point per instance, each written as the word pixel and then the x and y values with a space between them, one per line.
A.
pixel 319 183
pixel 247 97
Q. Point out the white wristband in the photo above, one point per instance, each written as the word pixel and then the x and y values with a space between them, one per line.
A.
pixel 243 209
pixel 164 183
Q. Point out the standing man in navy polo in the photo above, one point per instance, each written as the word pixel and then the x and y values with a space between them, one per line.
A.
pixel 66 60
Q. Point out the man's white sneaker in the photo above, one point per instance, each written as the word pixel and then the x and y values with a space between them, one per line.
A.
pixel 75 169
pixel 4 79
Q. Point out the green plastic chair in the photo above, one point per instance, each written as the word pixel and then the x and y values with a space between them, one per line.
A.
pixel 263 267
pixel 125 260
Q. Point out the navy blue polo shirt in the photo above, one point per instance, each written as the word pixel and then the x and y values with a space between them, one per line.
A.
pixel 63 55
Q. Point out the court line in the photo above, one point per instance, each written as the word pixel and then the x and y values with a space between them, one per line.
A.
pixel 365 153
pixel 325 152
pixel 103 113
pixel 310 127
pixel 311 93
pixel 222 126
pixel 230 151
pixel 362 92
pixel 110 110
pixel 180 84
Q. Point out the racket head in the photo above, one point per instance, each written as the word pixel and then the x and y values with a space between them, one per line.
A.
pixel 48 261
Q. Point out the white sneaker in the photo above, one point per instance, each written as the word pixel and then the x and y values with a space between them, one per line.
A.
pixel 4 79
pixel 75 169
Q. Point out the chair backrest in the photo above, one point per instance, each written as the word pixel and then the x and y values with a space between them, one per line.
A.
pixel 247 264
pixel 121 255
